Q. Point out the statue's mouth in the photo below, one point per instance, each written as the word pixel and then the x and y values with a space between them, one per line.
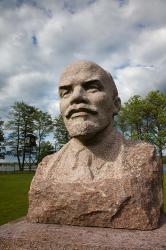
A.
pixel 80 112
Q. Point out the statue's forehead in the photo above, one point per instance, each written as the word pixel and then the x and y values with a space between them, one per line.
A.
pixel 82 72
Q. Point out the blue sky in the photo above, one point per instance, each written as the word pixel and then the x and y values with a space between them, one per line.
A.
pixel 39 38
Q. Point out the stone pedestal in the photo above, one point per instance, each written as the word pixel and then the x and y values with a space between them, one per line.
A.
pixel 21 235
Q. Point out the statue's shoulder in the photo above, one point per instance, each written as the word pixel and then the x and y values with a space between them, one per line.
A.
pixel 50 161
pixel 139 147
pixel 140 155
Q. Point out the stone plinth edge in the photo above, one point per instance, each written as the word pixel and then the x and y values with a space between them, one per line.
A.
pixel 22 235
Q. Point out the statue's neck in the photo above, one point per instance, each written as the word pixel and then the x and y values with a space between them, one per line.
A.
pixel 104 145
pixel 102 138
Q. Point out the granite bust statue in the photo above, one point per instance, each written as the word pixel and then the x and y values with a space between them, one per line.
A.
pixel 98 178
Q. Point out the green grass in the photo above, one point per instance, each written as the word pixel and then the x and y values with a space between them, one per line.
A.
pixel 14 195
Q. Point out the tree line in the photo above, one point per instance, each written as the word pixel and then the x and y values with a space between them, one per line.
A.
pixel 140 118
pixel 145 119
pixel 24 121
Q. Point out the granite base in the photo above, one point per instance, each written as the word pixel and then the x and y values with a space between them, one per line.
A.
pixel 21 235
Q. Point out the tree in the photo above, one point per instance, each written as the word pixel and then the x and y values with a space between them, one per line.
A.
pixel 60 132
pixel 131 117
pixel 145 119
pixel 20 124
pixel 1 131
pixel 46 148
pixel 122 122
pixel 25 121
pixel 43 126
pixel 155 114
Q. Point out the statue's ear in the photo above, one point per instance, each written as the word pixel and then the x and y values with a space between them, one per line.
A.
pixel 117 105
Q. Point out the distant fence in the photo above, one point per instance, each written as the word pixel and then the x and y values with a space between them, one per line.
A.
pixel 10 164
pixel 14 167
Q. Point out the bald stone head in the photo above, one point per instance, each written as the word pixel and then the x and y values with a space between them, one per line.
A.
pixel 88 99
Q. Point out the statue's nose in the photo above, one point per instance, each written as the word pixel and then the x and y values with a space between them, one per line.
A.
pixel 78 95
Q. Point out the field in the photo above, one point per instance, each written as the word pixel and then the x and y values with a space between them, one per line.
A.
pixel 14 196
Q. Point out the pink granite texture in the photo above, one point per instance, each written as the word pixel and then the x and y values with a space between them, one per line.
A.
pixel 98 178
pixel 32 236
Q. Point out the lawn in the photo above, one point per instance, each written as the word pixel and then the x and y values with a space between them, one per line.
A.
pixel 14 195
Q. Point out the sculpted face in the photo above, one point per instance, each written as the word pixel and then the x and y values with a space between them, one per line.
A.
pixel 88 99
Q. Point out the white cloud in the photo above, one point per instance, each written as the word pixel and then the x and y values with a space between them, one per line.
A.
pixel 53 107
pixel 136 80
pixel 39 38
pixel 149 47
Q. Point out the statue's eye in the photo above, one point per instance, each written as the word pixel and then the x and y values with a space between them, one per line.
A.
pixel 93 86
pixel 92 89
pixel 65 91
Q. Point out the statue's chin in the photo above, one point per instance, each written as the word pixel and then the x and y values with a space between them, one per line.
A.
pixel 84 129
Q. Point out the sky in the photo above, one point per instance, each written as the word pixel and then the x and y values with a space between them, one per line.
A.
pixel 38 38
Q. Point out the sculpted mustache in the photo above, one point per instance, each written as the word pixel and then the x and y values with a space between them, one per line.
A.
pixel 71 111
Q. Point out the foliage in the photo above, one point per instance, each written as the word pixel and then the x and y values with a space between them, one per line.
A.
pixel 164 159
pixel 43 126
pixel 46 149
pixel 60 133
pixel 20 124
pixel 24 120
pixel 155 113
pixel 145 119
pixel 14 196
pixel 1 131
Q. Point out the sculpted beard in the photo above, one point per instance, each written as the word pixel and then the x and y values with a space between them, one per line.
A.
pixel 81 125
pixel 85 125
